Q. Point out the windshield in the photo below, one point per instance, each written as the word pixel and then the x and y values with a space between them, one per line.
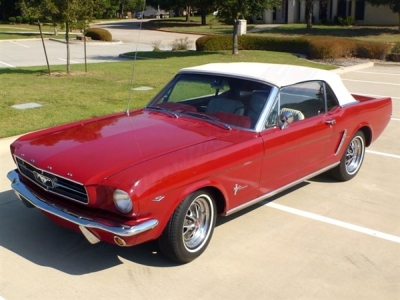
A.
pixel 236 102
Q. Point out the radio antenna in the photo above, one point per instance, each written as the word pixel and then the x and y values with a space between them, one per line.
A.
pixel 134 59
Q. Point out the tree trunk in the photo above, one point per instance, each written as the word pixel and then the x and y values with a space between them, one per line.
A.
pixel 399 21
pixel 235 49
pixel 122 10
pixel 203 17
pixel 309 12
pixel 67 43
pixel 188 13
pixel 44 47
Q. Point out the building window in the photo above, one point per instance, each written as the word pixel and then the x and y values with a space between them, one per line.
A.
pixel 360 9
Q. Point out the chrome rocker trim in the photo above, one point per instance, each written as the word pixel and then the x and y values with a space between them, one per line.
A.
pixel 24 194
pixel 281 189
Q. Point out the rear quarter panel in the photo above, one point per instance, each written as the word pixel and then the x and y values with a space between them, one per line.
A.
pixel 372 115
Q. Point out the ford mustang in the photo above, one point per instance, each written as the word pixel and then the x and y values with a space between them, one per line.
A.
pixel 216 139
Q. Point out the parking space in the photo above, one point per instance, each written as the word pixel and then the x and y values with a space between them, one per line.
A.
pixel 126 35
pixel 321 240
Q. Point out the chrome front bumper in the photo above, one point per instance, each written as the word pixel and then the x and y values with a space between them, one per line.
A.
pixel 84 223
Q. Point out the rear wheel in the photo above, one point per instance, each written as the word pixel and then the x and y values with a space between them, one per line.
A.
pixel 190 228
pixel 352 159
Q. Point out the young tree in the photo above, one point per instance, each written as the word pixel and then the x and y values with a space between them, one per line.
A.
pixel 69 14
pixel 233 10
pixel 393 4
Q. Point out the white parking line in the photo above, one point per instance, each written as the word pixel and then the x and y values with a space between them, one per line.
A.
pixel 375 96
pixel 376 82
pixel 71 61
pixel 8 65
pixel 383 154
pixel 338 223
pixel 19 44
pixel 375 73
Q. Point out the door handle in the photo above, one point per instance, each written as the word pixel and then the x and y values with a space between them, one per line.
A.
pixel 330 122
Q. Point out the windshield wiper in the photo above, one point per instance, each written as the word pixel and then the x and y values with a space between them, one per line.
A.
pixel 164 110
pixel 213 120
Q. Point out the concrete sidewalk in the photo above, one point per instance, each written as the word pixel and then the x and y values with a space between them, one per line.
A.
pixel 7 163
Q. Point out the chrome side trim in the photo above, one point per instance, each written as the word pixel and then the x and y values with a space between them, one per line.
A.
pixel 24 194
pixel 277 191
pixel 341 141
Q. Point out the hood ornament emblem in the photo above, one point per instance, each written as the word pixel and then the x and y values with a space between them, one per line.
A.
pixel 44 180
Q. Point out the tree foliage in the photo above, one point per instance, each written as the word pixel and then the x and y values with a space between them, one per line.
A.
pixel 231 11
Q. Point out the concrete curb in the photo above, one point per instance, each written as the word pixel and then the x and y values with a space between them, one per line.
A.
pixel 342 70
pixel 116 42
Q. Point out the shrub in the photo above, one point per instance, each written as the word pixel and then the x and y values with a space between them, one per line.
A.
pixel 180 44
pixel 348 21
pixel 395 48
pixel 395 53
pixel 11 20
pixel 372 50
pixel 26 19
pixel 312 47
pixel 99 34
pixel 18 19
pixel 214 43
pixel 156 45
pixel 323 48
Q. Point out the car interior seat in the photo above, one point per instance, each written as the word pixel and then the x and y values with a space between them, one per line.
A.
pixel 256 105
pixel 225 105
pixel 297 115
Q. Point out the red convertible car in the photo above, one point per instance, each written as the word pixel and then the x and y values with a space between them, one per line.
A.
pixel 216 139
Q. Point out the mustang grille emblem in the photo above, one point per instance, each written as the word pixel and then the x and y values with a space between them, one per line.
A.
pixel 44 180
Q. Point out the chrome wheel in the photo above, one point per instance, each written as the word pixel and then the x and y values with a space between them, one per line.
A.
pixel 197 224
pixel 354 155
pixel 352 159
pixel 190 228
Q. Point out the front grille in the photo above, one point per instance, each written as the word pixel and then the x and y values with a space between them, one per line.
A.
pixel 53 183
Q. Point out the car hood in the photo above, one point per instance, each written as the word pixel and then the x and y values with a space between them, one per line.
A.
pixel 88 152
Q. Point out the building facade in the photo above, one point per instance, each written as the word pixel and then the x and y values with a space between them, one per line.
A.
pixel 325 11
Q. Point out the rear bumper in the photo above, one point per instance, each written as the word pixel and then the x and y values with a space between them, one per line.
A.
pixel 84 223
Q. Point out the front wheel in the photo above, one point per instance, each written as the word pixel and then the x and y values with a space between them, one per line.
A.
pixel 190 228
pixel 352 159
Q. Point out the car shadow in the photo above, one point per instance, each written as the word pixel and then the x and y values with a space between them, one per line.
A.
pixel 31 235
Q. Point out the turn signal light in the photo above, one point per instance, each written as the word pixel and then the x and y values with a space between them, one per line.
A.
pixel 119 241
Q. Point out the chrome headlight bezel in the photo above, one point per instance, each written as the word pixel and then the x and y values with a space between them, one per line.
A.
pixel 122 201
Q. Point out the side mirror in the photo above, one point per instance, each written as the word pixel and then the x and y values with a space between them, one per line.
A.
pixel 286 118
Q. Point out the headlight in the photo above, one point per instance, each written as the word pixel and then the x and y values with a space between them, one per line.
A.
pixel 122 201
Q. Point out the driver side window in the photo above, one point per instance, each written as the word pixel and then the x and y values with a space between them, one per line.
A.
pixel 303 100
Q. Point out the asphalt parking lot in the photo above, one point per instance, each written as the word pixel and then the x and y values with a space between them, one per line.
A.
pixel 320 240
pixel 127 37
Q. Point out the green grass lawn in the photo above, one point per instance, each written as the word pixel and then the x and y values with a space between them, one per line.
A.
pixel 389 34
pixel 27 31
pixel 104 89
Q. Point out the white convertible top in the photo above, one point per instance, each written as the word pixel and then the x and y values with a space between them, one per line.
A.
pixel 279 75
